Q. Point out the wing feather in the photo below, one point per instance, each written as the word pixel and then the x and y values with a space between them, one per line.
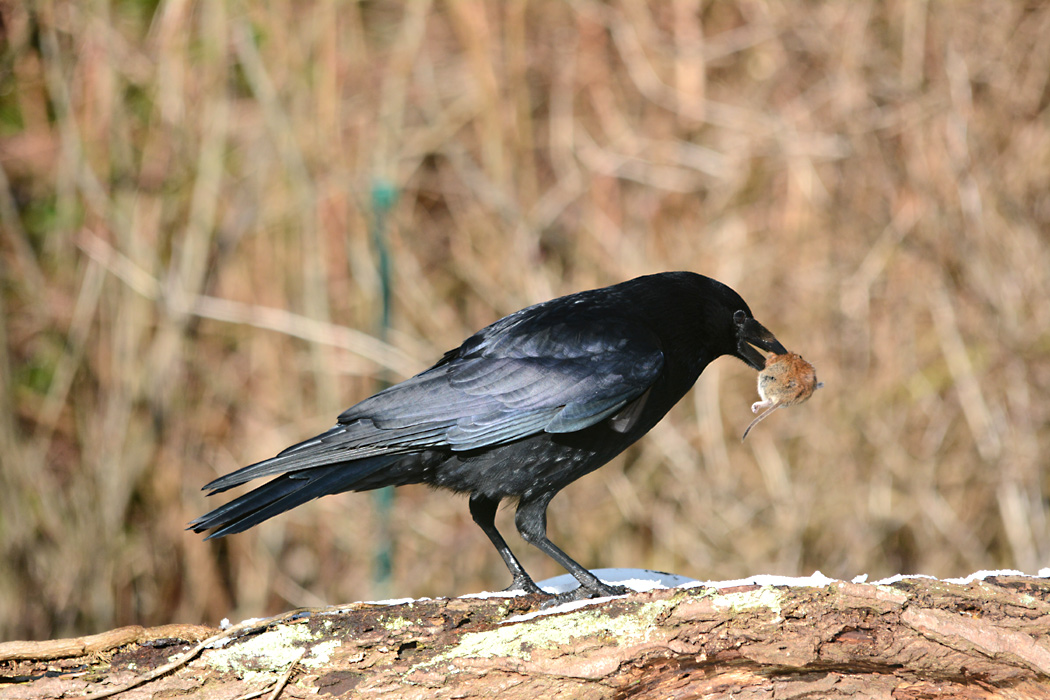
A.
pixel 563 379
pixel 560 378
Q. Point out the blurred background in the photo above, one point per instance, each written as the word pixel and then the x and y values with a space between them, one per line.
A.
pixel 224 222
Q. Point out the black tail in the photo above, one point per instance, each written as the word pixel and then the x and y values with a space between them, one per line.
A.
pixel 308 454
pixel 286 492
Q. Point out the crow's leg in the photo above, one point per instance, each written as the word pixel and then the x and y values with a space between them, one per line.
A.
pixel 531 520
pixel 483 510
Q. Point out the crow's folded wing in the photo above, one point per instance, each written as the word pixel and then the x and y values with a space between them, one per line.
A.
pixel 557 379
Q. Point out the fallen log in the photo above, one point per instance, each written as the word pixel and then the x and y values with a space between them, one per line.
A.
pixel 908 638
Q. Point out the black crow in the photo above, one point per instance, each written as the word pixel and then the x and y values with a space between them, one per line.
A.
pixel 520 410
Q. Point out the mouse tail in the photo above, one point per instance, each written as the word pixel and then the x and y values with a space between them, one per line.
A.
pixel 759 419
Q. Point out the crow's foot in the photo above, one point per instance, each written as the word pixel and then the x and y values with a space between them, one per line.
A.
pixel 603 590
pixel 523 584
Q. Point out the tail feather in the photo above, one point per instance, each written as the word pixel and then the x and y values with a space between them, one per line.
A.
pixel 286 492
pixel 281 464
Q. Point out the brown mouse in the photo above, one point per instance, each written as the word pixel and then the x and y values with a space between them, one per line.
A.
pixel 786 380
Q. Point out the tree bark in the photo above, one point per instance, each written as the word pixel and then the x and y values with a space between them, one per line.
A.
pixel 918 638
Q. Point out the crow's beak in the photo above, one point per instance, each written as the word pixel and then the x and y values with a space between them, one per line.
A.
pixel 751 334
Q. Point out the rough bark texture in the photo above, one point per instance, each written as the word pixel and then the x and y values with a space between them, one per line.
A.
pixel 919 638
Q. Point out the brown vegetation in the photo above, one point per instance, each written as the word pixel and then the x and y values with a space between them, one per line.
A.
pixel 190 279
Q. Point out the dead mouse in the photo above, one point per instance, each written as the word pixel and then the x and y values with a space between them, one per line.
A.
pixel 787 380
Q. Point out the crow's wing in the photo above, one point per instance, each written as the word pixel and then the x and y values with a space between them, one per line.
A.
pixel 496 388
pixel 559 378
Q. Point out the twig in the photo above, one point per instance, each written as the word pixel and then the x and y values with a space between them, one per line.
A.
pixel 229 634
pixel 253 694
pixel 230 311
pixel 283 680
pixel 276 687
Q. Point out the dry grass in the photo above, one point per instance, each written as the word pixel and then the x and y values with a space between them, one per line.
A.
pixel 187 201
